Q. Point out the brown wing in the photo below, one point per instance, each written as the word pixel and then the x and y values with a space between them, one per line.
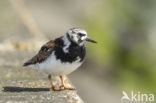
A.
pixel 43 54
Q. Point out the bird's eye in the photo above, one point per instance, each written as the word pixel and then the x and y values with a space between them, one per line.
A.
pixel 80 34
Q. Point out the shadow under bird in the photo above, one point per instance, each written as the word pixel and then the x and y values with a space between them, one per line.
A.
pixel 61 56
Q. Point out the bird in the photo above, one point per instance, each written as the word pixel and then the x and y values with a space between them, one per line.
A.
pixel 61 56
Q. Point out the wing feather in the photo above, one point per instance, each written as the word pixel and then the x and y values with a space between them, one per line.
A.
pixel 43 54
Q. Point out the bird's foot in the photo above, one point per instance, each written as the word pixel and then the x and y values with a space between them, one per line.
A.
pixel 66 88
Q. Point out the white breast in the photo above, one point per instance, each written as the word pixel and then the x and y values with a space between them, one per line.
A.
pixel 55 67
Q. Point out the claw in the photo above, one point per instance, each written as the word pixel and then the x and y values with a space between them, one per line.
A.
pixel 69 88
pixel 66 88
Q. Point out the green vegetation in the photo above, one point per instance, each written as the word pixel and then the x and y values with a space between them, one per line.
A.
pixel 123 29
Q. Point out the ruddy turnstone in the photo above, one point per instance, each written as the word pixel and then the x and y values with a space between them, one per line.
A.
pixel 61 56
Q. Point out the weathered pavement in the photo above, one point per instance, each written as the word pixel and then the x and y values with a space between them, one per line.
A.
pixel 26 85
pixel 25 89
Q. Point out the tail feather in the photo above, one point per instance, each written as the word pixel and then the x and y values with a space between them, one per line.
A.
pixel 28 63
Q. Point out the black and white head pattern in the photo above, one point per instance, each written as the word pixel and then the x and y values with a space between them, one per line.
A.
pixel 77 35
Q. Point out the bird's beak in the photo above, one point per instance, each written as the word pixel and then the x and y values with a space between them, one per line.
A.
pixel 90 40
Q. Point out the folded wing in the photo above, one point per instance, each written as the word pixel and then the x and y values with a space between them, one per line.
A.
pixel 43 54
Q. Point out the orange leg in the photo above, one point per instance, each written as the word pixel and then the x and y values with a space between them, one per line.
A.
pixel 52 85
pixel 63 86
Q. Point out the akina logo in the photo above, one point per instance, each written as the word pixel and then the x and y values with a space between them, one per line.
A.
pixel 137 97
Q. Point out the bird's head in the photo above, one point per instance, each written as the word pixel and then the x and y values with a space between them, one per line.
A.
pixel 78 36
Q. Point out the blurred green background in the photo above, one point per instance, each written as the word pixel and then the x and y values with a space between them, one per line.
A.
pixel 123 59
pixel 125 30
